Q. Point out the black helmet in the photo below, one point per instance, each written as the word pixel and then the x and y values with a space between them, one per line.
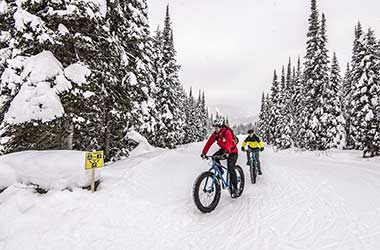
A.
pixel 219 122
pixel 251 131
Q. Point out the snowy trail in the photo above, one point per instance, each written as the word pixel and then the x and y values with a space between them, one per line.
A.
pixel 320 201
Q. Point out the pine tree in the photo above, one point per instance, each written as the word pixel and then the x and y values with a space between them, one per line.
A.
pixel 316 78
pixel 307 135
pixel 263 127
pixel 191 128
pixel 203 125
pixel 138 53
pixel 275 110
pixel 207 118
pixel 283 136
pixel 298 105
pixel 171 103
pixel 366 81
pixel 354 77
pixel 332 119
pixel 346 99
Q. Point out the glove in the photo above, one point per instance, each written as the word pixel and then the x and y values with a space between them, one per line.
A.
pixel 225 155
pixel 261 149
pixel 203 156
pixel 243 149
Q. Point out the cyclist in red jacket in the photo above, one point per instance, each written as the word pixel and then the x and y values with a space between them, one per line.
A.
pixel 223 137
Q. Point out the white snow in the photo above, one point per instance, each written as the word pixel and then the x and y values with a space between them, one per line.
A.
pixel 102 4
pixel 305 200
pixel 62 29
pixel 369 116
pixel 36 100
pixel 77 73
pixel 132 79
pixel 41 67
pixel 5 36
pixel 88 94
pixel 23 17
pixel 48 169
pixel 70 10
pixel 7 176
pixel 143 145
pixel 3 7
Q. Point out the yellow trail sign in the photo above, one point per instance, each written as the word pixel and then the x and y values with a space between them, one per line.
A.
pixel 94 160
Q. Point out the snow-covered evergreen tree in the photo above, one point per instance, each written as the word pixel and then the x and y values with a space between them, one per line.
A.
pixel 350 86
pixel 283 135
pixel 315 79
pixel 192 126
pixel 202 112
pixel 346 101
pixel 275 110
pixel 171 103
pixel 263 127
pixel 333 119
pixel 365 94
pixel 138 75
pixel 298 105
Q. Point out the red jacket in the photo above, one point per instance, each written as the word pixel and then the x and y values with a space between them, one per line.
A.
pixel 224 141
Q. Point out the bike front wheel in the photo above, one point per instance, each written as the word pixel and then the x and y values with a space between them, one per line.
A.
pixel 252 172
pixel 206 192
pixel 240 179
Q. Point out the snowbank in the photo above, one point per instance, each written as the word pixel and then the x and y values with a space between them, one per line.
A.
pixel 143 144
pixel 7 176
pixel 48 169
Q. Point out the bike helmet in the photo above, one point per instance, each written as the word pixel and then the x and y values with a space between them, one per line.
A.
pixel 251 131
pixel 218 122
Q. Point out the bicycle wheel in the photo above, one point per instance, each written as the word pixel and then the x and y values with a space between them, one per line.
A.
pixel 240 179
pixel 252 171
pixel 206 192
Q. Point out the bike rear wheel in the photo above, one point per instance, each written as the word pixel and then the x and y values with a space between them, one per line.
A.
pixel 206 192
pixel 252 171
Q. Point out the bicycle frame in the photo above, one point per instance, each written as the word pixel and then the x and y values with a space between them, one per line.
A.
pixel 252 155
pixel 215 170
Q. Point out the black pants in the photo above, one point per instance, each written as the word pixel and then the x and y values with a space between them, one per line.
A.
pixel 231 162
pixel 257 155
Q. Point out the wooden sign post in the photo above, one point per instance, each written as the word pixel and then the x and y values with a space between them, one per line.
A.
pixel 94 160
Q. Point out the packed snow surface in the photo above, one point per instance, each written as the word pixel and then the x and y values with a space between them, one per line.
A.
pixel 304 200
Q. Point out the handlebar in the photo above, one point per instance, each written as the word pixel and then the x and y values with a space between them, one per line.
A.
pixel 215 157
pixel 250 150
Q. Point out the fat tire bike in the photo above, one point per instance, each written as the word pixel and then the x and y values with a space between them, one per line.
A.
pixel 207 186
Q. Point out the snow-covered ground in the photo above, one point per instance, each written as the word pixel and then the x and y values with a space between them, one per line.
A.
pixel 304 200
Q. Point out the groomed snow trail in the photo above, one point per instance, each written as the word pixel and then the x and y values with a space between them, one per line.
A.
pixel 304 200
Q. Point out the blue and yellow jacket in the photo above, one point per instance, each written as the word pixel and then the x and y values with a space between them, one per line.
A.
pixel 253 142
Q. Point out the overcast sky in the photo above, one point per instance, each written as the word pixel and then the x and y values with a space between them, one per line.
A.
pixel 229 48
